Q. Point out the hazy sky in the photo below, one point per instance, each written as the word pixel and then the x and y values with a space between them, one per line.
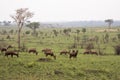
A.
pixel 63 10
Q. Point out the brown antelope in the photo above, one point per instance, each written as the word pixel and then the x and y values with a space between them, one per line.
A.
pixel 64 52
pixel 49 52
pixel 33 51
pixel 73 54
pixel 12 53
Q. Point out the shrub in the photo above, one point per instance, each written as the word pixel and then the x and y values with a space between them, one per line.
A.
pixel 27 32
pixel 118 35
pixel 8 37
pixel 117 49
pixel 89 46
pixel 83 30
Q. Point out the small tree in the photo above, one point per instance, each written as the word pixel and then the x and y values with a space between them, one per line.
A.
pixel 4 32
pixel 66 31
pixel 6 23
pixel 77 31
pixel 76 41
pixel 21 16
pixel 11 31
pixel 109 21
pixel 0 23
pixel 27 32
pixel 96 39
pixel 89 46
pixel 33 26
pixel 117 49
pixel 83 30
pixel 106 37
pixel 118 35
pixel 55 32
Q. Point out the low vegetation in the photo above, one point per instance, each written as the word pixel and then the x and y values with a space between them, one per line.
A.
pixel 80 66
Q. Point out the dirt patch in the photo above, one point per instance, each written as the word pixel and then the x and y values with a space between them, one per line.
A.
pixel 44 60
pixel 95 71
pixel 57 72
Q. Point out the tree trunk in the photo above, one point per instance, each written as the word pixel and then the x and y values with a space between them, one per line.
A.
pixel 34 32
pixel 109 25
pixel 19 31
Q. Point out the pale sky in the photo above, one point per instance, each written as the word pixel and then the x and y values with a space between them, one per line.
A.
pixel 63 10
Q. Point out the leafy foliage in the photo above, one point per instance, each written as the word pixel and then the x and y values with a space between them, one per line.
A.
pixel 33 26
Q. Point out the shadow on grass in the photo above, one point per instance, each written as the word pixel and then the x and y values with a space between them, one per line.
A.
pixel 44 60
pixel 95 71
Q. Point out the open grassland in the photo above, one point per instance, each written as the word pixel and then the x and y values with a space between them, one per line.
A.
pixel 84 67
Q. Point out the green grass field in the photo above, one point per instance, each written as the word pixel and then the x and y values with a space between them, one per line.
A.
pixel 84 67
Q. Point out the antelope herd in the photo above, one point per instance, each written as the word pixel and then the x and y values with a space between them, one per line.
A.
pixel 47 52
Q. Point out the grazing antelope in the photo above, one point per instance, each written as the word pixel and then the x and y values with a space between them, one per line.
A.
pixel 5 49
pixel 90 52
pixel 87 52
pixel 49 52
pixel 46 49
pixel 33 51
pixel 94 52
pixel 12 53
pixel 73 54
pixel 64 52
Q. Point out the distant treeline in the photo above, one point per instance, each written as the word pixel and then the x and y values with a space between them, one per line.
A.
pixel 67 24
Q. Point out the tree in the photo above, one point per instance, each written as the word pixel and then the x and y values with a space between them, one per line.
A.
pixel 83 30
pixel 27 32
pixel 76 38
pixel 0 22
pixel 33 26
pixel 109 21
pixel 118 35
pixel 20 17
pixel 77 31
pixel 89 46
pixel 106 37
pixel 66 31
pixel 6 23
pixel 4 32
pixel 55 32
pixel 11 31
